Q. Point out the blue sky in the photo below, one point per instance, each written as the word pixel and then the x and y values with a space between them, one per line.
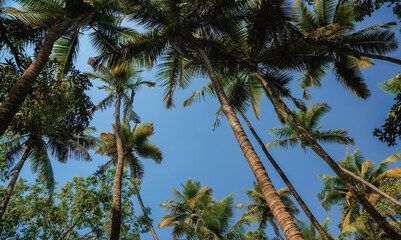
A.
pixel 191 149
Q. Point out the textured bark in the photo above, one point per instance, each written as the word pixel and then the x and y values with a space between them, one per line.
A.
pixel 116 210
pixel 305 208
pixel 373 187
pixel 283 218
pixel 11 104
pixel 13 180
pixel 152 230
pixel 380 220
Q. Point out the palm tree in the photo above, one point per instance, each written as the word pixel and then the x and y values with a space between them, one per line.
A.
pixel 135 144
pixel 186 32
pixel 214 222
pixel 330 28
pixel 120 82
pixel 63 21
pixel 335 192
pixel 290 136
pixel 184 211
pixel 247 90
pixel 260 210
pixel 35 148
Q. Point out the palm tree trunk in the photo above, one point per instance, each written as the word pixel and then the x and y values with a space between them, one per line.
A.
pixel 116 211
pixel 283 218
pixel 11 104
pixel 14 178
pixel 152 230
pixel 305 208
pixel 333 165
pixel 373 187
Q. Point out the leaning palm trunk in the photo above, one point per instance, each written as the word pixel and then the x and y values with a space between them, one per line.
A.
pixel 116 210
pixel 305 208
pixel 13 180
pixel 152 230
pixel 283 218
pixel 309 141
pixel 11 104
pixel 373 187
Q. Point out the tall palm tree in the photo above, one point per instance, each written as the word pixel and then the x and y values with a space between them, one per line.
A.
pixel 35 148
pixel 335 192
pixel 120 82
pixel 135 144
pixel 260 210
pixel 186 30
pixel 290 136
pixel 247 90
pixel 62 22
pixel 184 211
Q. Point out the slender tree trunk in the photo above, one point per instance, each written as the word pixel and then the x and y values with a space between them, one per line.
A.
pixel 11 104
pixel 373 187
pixel 279 211
pixel 305 208
pixel 116 211
pixel 341 174
pixel 74 224
pixel 13 180
pixel 145 214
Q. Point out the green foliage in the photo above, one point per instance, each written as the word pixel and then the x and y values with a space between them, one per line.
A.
pixel 258 234
pixel 391 129
pixel 80 209
pixel 382 176
pixel 309 231
pixel 290 135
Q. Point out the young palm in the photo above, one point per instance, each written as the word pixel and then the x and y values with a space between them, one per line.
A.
pixel 214 222
pixel 290 135
pixel 185 210
pixel 260 210
pixel 186 31
pixel 335 192
pixel 135 144
pixel 121 81
pixel 62 21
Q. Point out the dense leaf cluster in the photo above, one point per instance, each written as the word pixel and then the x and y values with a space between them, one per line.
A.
pixel 391 129
pixel 80 210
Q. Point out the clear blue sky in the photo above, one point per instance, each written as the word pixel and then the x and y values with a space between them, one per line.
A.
pixel 191 149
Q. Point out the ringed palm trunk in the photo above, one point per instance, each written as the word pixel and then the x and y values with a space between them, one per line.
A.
pixel 116 210
pixel 283 218
pixel 305 208
pixel 11 104
pixel 13 180
pixel 380 220
pixel 152 230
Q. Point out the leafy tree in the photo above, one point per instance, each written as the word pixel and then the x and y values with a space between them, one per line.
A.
pixel 391 129
pixel 78 210
pixel 260 210
pixel 120 82
pixel 63 21
pixel 335 193
pixel 54 117
pixel 135 144
pixel 290 135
